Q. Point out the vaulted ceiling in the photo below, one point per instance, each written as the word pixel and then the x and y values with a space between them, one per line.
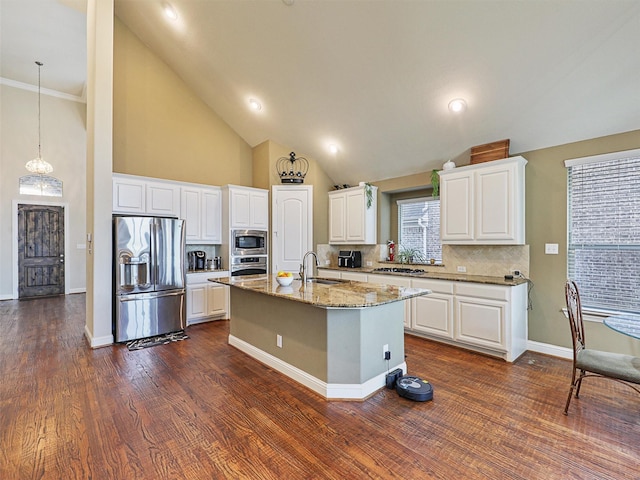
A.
pixel 371 77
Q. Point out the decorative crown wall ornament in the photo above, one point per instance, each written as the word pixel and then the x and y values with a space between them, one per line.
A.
pixel 292 169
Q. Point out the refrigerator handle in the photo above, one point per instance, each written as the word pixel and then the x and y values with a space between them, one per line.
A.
pixel 154 254
pixel 135 297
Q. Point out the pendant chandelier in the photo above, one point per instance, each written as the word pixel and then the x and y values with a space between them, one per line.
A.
pixel 39 165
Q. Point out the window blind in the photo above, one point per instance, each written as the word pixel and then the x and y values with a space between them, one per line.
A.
pixel 419 227
pixel 604 232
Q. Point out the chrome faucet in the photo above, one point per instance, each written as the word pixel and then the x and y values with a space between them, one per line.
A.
pixel 303 268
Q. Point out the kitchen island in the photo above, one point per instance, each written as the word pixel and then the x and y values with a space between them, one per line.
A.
pixel 328 336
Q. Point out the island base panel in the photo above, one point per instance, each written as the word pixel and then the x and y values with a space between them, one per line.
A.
pixel 336 346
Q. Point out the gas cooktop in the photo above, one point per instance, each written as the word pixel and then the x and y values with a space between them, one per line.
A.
pixel 398 270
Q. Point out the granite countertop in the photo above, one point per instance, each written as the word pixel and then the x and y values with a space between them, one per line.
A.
pixel 220 270
pixel 435 275
pixel 342 294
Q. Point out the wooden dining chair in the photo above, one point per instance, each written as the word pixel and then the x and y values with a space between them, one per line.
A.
pixel 594 363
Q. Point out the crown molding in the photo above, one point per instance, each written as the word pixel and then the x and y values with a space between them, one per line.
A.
pixel 45 91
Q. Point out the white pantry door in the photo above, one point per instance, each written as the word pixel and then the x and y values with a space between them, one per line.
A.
pixel 292 220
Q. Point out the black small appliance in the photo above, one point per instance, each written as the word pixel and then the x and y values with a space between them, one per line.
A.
pixel 414 388
pixel 197 260
pixel 350 258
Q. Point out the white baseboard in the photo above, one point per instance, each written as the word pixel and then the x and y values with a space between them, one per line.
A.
pixel 71 291
pixel 549 349
pixel 327 390
pixel 96 342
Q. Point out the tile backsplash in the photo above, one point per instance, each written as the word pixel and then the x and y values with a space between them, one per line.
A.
pixel 491 260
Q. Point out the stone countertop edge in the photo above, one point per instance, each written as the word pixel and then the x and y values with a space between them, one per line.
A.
pixel 455 277
pixel 345 294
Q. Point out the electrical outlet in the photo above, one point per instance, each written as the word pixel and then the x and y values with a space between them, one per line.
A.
pixel 279 341
pixel 385 349
pixel 369 264
pixel 327 262
pixel 516 273
pixel 462 269
pixel 551 248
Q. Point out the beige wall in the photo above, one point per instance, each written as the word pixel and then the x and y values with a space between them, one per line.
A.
pixel 162 129
pixel 387 229
pixel 546 217
pixel 64 146
pixel 265 157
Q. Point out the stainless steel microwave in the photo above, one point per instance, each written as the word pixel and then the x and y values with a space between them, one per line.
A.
pixel 248 242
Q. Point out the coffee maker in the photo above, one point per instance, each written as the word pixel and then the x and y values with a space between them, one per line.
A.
pixel 197 260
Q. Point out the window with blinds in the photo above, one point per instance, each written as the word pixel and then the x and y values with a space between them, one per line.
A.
pixel 419 227
pixel 604 230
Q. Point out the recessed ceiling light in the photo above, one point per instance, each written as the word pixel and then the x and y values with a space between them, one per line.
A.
pixel 170 12
pixel 457 105
pixel 255 105
pixel 333 148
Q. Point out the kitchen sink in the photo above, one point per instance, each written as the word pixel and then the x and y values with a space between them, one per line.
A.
pixel 326 281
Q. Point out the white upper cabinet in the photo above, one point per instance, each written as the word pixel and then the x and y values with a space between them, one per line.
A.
pixel 199 205
pixel 351 221
pixel 212 215
pixel 129 195
pixel 163 199
pixel 138 195
pixel 201 208
pixel 483 204
pixel 248 208
pixel 191 212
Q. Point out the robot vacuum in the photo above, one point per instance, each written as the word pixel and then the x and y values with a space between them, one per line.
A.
pixel 414 388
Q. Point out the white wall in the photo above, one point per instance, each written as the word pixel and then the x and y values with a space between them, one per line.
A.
pixel 64 146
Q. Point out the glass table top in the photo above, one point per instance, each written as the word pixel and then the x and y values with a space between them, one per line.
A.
pixel 628 324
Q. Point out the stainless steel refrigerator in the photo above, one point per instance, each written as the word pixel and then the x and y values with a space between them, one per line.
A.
pixel 149 276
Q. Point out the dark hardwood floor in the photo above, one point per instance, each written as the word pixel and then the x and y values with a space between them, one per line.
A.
pixel 199 409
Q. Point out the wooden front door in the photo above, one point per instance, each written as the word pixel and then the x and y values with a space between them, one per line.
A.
pixel 40 250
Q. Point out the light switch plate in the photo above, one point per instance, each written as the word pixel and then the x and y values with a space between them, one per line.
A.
pixel 551 248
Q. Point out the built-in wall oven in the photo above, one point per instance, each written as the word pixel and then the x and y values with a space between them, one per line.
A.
pixel 248 242
pixel 255 265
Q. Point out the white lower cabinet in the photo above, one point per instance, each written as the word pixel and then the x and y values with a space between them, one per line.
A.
pixel 488 318
pixel 326 273
pixel 481 322
pixel 206 300
pixel 355 276
pixel 433 313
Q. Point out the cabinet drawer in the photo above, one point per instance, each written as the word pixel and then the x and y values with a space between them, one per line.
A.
pixel 493 292
pixel 436 286
pixel 202 277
